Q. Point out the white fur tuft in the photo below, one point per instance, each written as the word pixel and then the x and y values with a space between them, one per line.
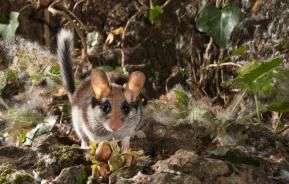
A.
pixel 64 34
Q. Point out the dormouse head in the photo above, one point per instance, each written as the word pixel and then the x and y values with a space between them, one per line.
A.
pixel 115 106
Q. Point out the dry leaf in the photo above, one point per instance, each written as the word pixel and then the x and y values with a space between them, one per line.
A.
pixel 256 6
pixel 110 37
pixel 129 160
pixel 59 92
pixel 115 161
pixel 103 169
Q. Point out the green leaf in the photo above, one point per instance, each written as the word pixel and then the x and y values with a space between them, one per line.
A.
pixel 22 137
pixel 7 31
pixel 279 107
pixel 106 68
pixel 219 23
pixel 120 69
pixel 155 14
pixel 239 51
pixel 259 71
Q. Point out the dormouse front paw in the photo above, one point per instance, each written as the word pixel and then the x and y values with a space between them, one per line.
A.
pixel 84 145
pixel 125 143
pixel 140 134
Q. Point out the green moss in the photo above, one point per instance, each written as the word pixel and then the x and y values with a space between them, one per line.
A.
pixel 81 178
pixel 64 155
pixel 10 176
pixel 40 165
pixel 20 177
pixel 5 170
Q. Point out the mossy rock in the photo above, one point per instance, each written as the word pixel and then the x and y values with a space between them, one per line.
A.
pixel 11 176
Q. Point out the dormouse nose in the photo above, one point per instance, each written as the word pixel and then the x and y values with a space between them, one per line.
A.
pixel 115 124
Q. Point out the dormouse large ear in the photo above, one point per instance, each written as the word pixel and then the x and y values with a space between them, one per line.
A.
pixel 134 85
pixel 99 84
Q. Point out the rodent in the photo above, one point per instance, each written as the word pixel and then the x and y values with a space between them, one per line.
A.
pixel 101 108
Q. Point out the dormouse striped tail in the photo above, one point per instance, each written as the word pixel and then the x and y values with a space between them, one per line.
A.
pixel 64 53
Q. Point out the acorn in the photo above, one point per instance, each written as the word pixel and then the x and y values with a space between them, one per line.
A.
pixel 103 152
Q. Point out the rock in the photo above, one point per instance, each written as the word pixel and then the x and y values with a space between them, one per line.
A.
pixel 180 162
pixel 20 158
pixel 254 139
pixel 57 157
pixel 161 178
pixel 187 167
pixel 173 179
pixel 124 174
pixel 73 175
pixel 163 141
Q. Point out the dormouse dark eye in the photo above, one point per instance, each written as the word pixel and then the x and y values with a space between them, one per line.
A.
pixel 94 102
pixel 125 107
pixel 106 107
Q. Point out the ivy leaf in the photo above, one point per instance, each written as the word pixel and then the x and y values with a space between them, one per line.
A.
pixel 279 107
pixel 39 130
pixel 155 14
pixel 263 68
pixel 7 31
pixel 219 23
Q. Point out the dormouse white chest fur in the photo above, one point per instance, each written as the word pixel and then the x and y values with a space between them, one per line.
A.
pixel 101 108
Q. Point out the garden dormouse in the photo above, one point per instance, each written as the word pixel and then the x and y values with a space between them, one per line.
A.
pixel 101 108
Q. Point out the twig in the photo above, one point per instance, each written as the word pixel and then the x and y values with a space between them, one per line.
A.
pixel 54 11
pixel 278 122
pixel 151 4
pixel 136 66
pixel 133 48
pixel 283 129
pixel 166 3
pixel 206 58
pixel 77 19
pixel 218 3
pixel 123 36
pixel 223 64
pixel 24 7
pixel 78 3
pixel 129 22
pixel 256 6
pixel 46 29
pixel 140 2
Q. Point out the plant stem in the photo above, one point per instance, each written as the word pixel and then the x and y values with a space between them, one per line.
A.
pixel 278 122
pixel 257 108
pixel 239 99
